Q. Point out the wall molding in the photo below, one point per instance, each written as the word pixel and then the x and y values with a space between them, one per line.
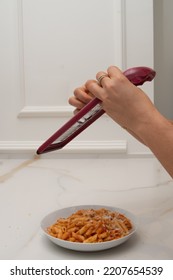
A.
pixel 53 111
pixel 123 35
pixel 45 111
pixel 92 147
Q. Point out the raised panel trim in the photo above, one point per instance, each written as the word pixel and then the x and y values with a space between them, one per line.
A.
pixel 93 147
pixel 51 111
pixel 46 111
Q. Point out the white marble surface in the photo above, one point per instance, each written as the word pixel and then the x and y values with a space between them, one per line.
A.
pixel 30 189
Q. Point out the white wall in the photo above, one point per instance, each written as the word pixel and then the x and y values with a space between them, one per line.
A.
pixel 163 57
pixel 49 47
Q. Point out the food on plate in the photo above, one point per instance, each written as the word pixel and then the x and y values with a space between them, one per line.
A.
pixel 91 226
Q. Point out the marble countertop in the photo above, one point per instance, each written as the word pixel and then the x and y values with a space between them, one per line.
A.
pixel 32 188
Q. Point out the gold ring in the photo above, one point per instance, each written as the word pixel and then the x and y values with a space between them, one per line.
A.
pixel 101 78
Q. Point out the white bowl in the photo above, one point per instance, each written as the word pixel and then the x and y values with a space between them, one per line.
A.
pixel 77 246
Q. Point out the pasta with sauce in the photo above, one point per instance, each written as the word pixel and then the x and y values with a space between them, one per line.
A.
pixel 91 225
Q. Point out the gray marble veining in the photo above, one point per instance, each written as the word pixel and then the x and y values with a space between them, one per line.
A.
pixel 30 189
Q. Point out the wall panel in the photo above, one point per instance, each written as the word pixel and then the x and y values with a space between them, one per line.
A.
pixel 54 46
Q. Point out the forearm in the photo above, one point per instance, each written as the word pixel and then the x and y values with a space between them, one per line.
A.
pixel 158 136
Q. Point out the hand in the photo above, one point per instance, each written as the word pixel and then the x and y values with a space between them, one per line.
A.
pixel 122 101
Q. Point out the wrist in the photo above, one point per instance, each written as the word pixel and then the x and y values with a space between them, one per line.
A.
pixel 151 129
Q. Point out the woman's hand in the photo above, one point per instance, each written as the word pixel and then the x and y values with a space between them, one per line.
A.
pixel 126 104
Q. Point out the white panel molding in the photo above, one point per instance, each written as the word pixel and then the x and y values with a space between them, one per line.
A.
pixel 21 52
pixel 53 111
pixel 33 111
pixel 92 147
pixel 123 35
pixel 45 111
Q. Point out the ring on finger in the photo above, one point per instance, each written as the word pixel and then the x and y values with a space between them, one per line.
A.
pixel 101 78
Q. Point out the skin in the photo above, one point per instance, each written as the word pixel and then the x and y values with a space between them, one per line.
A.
pixel 132 109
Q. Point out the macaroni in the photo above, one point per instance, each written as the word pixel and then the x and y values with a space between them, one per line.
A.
pixel 91 225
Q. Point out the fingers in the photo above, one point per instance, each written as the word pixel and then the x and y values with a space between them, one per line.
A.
pixel 82 95
pixel 76 103
pixel 102 77
pixel 105 80
pixel 117 76
pixel 114 72
pixel 93 87
pixel 81 98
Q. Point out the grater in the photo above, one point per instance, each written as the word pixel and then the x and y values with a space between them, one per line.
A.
pixel 90 113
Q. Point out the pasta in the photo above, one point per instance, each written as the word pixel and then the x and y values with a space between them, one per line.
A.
pixel 90 226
